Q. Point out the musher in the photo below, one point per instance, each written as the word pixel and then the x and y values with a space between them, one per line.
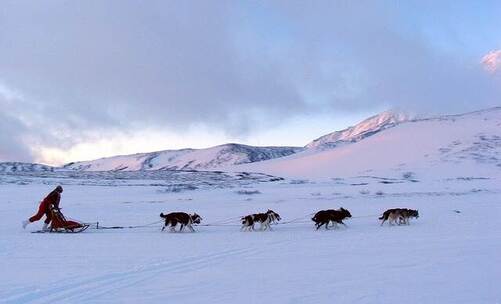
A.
pixel 50 201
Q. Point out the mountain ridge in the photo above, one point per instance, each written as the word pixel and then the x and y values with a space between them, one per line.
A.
pixel 461 144
pixel 361 130
pixel 185 159
pixel 234 154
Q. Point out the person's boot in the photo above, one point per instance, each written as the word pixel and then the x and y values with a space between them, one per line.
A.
pixel 45 227
pixel 25 223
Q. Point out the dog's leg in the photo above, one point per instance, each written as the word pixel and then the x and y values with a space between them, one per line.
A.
pixel 191 228
pixel 163 228
pixel 267 224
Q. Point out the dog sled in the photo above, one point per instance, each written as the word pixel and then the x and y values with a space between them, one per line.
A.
pixel 59 224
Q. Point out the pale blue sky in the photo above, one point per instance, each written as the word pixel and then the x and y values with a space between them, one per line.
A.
pixel 85 79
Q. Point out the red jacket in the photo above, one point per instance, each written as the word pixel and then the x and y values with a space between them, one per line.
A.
pixel 52 199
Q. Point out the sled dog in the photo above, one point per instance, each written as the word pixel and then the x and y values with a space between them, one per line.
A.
pixel 398 216
pixel 185 219
pixel 324 217
pixel 264 219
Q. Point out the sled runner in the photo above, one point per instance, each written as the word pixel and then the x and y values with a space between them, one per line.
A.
pixel 74 230
pixel 60 224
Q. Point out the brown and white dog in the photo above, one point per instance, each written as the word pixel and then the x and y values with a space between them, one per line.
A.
pixel 264 219
pixel 185 219
pixel 324 217
pixel 399 216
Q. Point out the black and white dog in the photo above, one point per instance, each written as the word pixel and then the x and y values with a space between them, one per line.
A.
pixel 264 219
pixel 185 219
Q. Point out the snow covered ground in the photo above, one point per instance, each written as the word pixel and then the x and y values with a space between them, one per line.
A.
pixel 442 257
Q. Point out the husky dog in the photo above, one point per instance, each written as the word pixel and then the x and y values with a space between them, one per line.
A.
pixel 324 217
pixel 398 216
pixel 264 219
pixel 185 219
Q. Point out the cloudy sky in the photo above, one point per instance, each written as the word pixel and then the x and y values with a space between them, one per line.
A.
pixel 86 79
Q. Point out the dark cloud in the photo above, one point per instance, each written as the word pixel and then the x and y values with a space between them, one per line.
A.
pixel 12 130
pixel 87 67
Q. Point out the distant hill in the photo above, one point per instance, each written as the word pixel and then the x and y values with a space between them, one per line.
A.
pixel 186 159
pixel 12 167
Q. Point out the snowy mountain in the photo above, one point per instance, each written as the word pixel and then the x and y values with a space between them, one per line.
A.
pixel 366 128
pixel 467 144
pixel 12 167
pixel 389 141
pixel 185 159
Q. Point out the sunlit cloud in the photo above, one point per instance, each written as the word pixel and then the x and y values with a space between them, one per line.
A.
pixel 492 61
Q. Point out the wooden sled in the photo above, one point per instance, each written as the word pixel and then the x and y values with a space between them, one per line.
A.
pixel 59 224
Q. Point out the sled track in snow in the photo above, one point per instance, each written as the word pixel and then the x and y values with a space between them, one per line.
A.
pixel 92 288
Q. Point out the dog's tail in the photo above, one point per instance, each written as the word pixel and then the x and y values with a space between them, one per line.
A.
pixel 162 215
pixel 385 215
